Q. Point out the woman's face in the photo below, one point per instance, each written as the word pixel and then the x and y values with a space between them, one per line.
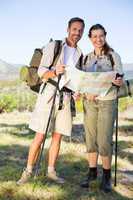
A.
pixel 98 38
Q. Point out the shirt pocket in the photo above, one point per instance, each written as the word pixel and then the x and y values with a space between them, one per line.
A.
pixel 106 65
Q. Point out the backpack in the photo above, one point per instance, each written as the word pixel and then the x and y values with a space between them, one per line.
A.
pixel 29 74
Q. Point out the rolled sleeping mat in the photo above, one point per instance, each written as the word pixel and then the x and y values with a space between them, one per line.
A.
pixel 126 89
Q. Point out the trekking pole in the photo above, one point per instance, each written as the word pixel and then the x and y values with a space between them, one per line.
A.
pixel 46 131
pixel 116 129
pixel 116 137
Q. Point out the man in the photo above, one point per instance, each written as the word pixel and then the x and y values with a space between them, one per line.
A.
pixel 70 56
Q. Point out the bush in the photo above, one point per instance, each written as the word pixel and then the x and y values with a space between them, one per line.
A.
pixel 26 101
pixel 7 103
pixel 124 103
pixel 10 102
pixel 17 99
pixel 79 106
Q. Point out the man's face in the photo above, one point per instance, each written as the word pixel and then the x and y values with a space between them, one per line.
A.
pixel 75 32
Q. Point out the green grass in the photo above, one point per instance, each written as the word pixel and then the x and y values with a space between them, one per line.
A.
pixel 71 165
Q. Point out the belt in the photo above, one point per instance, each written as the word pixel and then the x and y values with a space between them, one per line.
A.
pixel 61 93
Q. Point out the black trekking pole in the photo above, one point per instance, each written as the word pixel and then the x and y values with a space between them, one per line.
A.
pixel 116 129
pixel 46 131
pixel 116 136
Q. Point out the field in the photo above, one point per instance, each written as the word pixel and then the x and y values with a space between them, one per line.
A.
pixel 72 163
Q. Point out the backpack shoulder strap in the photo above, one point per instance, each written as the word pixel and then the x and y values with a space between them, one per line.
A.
pixel 57 51
pixel 85 59
pixel 81 61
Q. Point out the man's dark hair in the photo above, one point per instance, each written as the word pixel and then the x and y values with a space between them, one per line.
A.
pixel 76 19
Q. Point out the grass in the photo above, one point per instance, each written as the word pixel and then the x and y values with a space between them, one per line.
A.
pixel 72 165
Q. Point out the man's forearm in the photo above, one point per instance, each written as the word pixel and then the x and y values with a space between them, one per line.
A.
pixel 49 74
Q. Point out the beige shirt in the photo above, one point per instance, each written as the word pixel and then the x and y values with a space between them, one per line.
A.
pixel 48 55
pixel 103 64
pixel 47 60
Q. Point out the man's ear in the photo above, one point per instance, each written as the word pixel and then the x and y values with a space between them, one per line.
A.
pixel 67 29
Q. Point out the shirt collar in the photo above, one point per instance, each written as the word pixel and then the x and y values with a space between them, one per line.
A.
pixel 77 48
pixel 93 54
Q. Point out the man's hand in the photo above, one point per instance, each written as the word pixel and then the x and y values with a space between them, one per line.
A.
pixel 59 69
pixel 118 81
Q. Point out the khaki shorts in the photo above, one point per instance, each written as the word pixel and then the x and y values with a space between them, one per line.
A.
pixel 99 123
pixel 61 120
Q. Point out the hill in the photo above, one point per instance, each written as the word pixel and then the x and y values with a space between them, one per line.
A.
pixel 8 71
pixel 11 71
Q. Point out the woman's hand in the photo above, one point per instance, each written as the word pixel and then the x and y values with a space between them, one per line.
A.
pixel 76 96
pixel 59 69
pixel 118 81
pixel 91 97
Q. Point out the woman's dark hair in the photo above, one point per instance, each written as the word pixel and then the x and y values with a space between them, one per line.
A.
pixel 76 19
pixel 106 47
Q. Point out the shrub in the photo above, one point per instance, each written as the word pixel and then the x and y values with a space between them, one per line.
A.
pixel 124 103
pixel 7 103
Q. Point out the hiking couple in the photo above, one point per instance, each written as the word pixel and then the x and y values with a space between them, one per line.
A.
pixel 99 113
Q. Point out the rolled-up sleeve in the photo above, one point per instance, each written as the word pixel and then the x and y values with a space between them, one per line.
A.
pixel 117 63
pixel 47 59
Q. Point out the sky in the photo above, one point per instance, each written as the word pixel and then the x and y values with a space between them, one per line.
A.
pixel 29 24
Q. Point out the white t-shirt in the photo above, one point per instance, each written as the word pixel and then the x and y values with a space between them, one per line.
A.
pixel 69 61
pixel 69 56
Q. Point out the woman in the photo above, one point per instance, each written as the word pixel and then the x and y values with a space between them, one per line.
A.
pixel 99 112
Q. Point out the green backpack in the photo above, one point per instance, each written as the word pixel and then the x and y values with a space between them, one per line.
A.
pixel 29 74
